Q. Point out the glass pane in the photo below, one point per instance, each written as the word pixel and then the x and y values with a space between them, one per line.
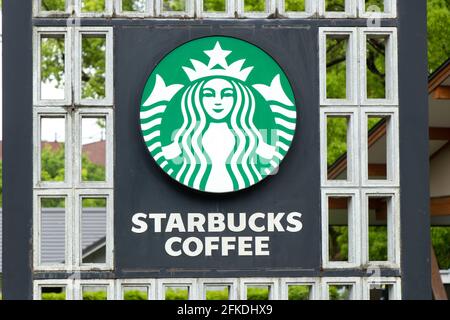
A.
pixel 174 5
pixel 380 291
pixel 255 5
pixel 93 70
pixel 294 5
pixel 53 231
pixel 335 5
pixel 52 67
pixel 134 5
pixel 53 293
pixel 217 292
pixel 95 292
pixel 337 137
pixel 53 136
pixel 378 228
pixel 440 237
pixel 375 5
pixel 337 67
pixel 338 230
pixel 93 230
pixel 299 292
pixel 377 143
pixel 214 5
pixel 135 293
pixel 258 292
pixel 340 292
pixel 93 6
pixel 376 67
pixel 177 293
pixel 93 134
pixel 53 5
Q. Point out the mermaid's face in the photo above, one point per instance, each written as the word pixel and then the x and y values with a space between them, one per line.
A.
pixel 218 98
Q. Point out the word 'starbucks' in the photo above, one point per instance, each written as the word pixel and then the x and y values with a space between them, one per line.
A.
pixel 218 114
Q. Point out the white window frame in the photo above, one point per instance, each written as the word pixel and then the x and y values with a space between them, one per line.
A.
pixel 106 32
pixel 395 293
pixel 191 283
pixel 230 8
pixel 109 4
pixel 270 8
pixel 356 293
pixel 38 284
pixel 350 10
pixel 123 283
pixel 351 65
pixel 391 67
pixel 109 250
pixel 189 12
pixel 393 227
pixel 354 233
pixel 79 284
pixel 392 147
pixel 352 113
pixel 38 34
pixel 37 12
pixel 390 10
pixel 232 283
pixel 149 10
pixel 107 113
pixel 314 283
pixel 51 112
pixel 52 193
pixel 272 282
pixel 310 9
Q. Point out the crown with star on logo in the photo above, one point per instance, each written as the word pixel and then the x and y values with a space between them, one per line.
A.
pixel 217 57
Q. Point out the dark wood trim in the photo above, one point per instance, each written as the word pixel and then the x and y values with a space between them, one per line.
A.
pixel 439 133
pixel 438 79
pixel 439 292
pixel 440 206
pixel 441 93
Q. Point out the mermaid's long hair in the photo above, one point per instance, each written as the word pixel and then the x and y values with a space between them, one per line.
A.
pixel 196 165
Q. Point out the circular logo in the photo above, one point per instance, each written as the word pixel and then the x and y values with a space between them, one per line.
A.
pixel 218 114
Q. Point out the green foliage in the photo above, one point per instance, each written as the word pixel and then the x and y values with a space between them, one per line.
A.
pixel 438 32
pixel 174 5
pixel 91 171
pixel 334 5
pixel 53 163
pixel 214 5
pixel 294 5
pixel 94 66
pixel 133 5
pixel 440 237
pixel 53 5
pixel 336 139
pixel 217 294
pixel 53 296
pixel 338 243
pixel 177 294
pixel 52 61
pixel 135 295
pixel 378 3
pixel 255 5
pixel 299 292
pixel 378 240
pixel 337 292
pixel 95 295
pixel 257 293
pixel 93 5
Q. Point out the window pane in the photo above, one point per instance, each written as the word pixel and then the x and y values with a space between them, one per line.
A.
pixel 335 5
pixel 255 5
pixel 375 5
pixel 378 228
pixel 214 5
pixel 338 230
pixel 53 293
pixel 95 292
pixel 380 291
pixel 135 293
pixel 340 292
pixel 440 237
pixel 174 5
pixel 299 292
pixel 93 72
pixel 336 76
pixel 93 6
pixel 377 127
pixel 294 5
pixel 134 5
pixel 217 292
pixel 337 138
pixel 53 231
pixel 258 292
pixel 177 293
pixel 376 67
pixel 53 136
pixel 93 230
pixel 52 67
pixel 53 5
pixel 93 141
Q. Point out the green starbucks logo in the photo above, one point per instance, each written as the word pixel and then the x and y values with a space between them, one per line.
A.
pixel 218 114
